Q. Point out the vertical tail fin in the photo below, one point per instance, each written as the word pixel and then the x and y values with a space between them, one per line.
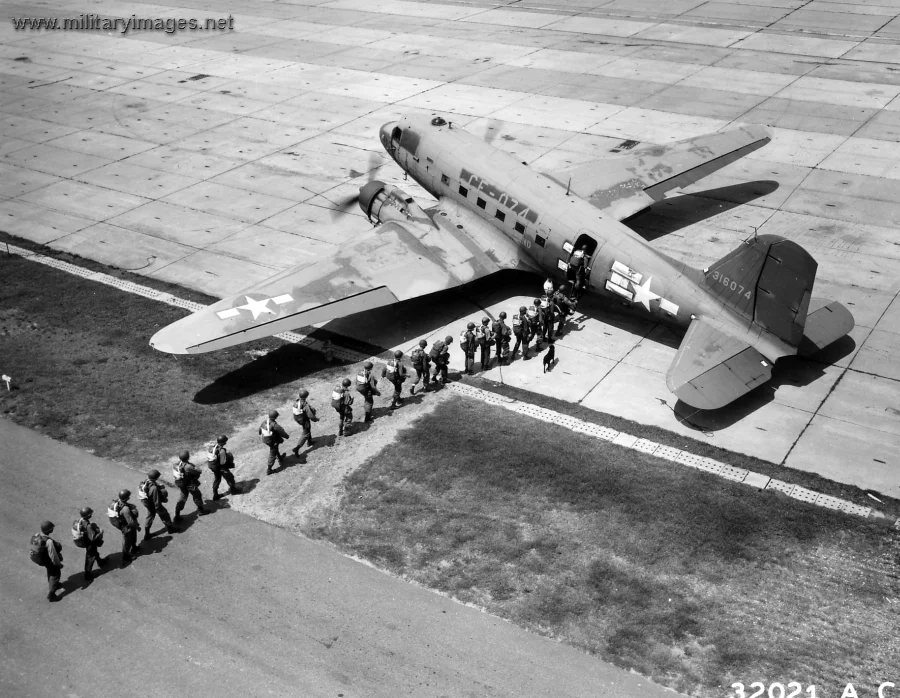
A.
pixel 768 280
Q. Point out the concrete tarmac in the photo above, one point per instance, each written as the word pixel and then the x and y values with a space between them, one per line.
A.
pixel 235 607
pixel 214 158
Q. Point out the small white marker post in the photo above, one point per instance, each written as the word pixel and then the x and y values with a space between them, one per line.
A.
pixel 7 379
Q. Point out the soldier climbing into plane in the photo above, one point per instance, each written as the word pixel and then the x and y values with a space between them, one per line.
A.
pixel 577 270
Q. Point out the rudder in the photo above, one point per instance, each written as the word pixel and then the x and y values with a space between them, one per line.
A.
pixel 768 280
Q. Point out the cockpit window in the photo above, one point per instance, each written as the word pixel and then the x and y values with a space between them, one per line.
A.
pixel 409 141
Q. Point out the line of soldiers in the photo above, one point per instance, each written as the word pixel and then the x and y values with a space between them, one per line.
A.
pixel 394 372
pixel 535 322
pixel 431 367
pixel 123 515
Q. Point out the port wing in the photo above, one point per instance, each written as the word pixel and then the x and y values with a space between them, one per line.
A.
pixel 394 262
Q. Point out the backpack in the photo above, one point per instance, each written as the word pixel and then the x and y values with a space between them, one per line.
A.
pixel 362 381
pixel 112 511
pixel 79 537
pixel 266 432
pixel 38 550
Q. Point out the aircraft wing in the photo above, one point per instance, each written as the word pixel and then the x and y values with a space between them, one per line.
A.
pixel 712 368
pixel 396 261
pixel 627 183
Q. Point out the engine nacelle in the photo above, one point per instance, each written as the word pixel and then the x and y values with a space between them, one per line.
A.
pixel 386 202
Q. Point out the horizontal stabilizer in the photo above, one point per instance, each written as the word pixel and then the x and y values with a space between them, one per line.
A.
pixel 826 322
pixel 712 369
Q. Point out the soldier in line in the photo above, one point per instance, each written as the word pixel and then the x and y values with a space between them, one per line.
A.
pixel 520 330
pixel 88 535
pixel 153 496
pixel 124 516
pixel 501 334
pixel 273 435
pixel 395 372
pixel 484 340
pixel 366 385
pixel 533 319
pixel 221 463
pixel 548 312
pixel 47 553
pixel 342 401
pixel 304 415
pixel 440 355
pixel 187 480
pixel 467 345
pixel 564 305
pixel 420 362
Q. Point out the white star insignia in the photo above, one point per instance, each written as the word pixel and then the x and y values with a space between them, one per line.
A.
pixel 257 307
pixel 643 294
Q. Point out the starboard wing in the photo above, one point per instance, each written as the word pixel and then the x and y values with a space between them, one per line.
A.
pixel 627 183
pixel 394 262
pixel 712 368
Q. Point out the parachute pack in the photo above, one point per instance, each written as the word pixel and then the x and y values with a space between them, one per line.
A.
pixel 38 549
pixel 79 536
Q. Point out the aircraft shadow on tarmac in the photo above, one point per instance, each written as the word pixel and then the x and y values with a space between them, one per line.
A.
pixel 368 332
pixel 788 371
pixel 670 215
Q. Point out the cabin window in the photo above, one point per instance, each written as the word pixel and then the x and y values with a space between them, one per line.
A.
pixel 520 228
pixel 539 240
pixel 500 216
pixel 445 179
pixel 481 202
pixel 463 191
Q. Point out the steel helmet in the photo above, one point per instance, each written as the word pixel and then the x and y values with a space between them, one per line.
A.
pixel 303 394
pixel 423 343
pixel 86 513
pixel 485 320
pixel 502 315
pixel 367 365
pixel 153 474
pixel 398 354
pixel 124 495
pixel 47 527
pixel 185 455
pixel 273 414
pixel 347 382
pixel 448 339
pixel 470 326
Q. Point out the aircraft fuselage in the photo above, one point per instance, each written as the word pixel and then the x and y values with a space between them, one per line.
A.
pixel 546 221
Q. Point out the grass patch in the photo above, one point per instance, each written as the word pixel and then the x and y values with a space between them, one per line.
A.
pixel 803 478
pixel 692 580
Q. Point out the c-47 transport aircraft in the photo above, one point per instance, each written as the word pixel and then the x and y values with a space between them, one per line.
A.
pixel 741 314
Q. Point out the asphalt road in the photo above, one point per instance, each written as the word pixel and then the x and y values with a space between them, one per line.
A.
pixel 235 607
